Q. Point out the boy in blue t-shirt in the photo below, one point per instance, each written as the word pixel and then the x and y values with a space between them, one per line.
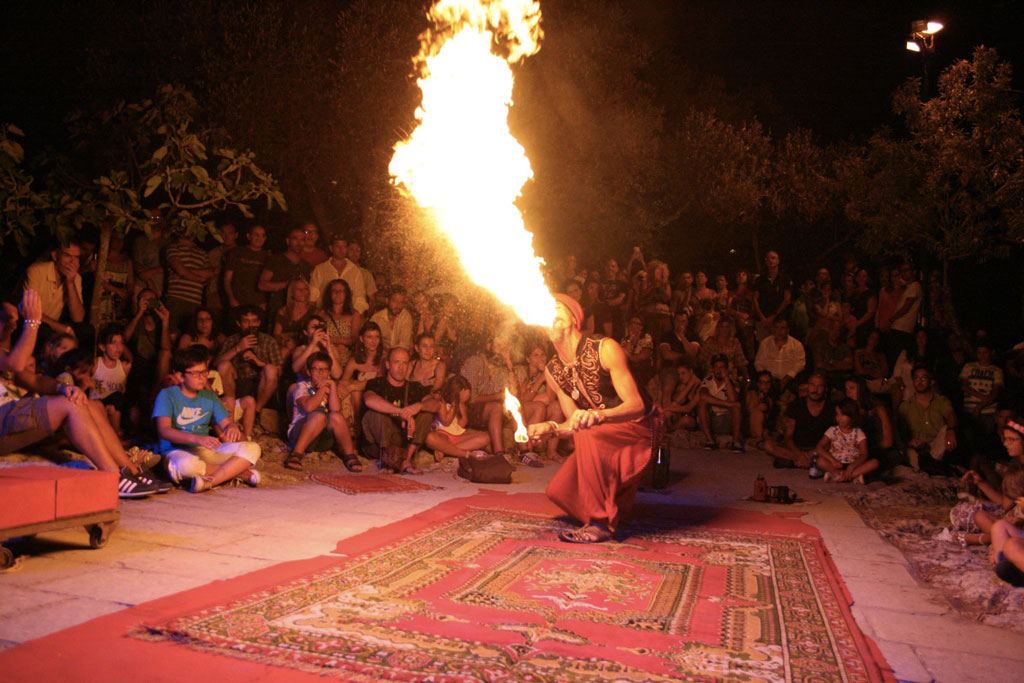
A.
pixel 184 414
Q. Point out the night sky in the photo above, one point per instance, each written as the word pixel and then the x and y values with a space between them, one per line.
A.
pixel 825 65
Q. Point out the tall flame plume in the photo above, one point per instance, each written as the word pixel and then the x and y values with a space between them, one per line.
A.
pixel 461 163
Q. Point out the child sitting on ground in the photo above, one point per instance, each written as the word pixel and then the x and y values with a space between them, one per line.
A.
pixel 449 435
pixel 110 376
pixel 1007 553
pixel 843 451
pixel 317 423
pixel 184 414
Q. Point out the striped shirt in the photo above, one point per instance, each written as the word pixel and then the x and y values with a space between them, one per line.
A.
pixel 192 257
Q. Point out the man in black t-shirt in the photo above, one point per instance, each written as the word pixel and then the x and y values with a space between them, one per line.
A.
pixel 398 413
pixel 805 423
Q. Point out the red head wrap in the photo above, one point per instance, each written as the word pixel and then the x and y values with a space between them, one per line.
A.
pixel 574 308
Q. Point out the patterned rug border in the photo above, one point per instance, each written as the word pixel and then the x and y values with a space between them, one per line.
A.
pixel 834 606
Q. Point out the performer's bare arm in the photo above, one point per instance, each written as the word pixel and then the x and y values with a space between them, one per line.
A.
pixel 613 358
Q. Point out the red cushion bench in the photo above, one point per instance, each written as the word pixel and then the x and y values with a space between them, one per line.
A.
pixel 37 499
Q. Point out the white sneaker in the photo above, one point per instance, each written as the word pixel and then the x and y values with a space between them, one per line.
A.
pixel 172 471
pixel 251 478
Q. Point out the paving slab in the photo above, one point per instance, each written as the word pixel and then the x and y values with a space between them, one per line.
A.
pixel 903 659
pixel 54 617
pixel 927 630
pixel 953 666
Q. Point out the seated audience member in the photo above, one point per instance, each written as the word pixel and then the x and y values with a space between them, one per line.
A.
pixel 802 311
pixel 539 403
pixel 355 255
pixel 342 320
pixel 805 423
pixel 1008 545
pixel 184 413
pixel 398 413
pixel 427 369
pixel 59 286
pixel 489 373
pixel 842 452
pixel 446 333
pixel 110 375
pixel 26 420
pixel 773 291
pixel 53 350
pixel 202 330
pixel 290 320
pixel 424 319
pixel 683 299
pixel 316 341
pixel 975 518
pixel 725 343
pixel 832 355
pixel 762 405
pixel 395 321
pixel 781 355
pixel 365 364
pixel 982 384
pixel 876 421
pixel 682 411
pixel 316 419
pixel 673 348
pixel 870 363
pixel 719 406
pixel 707 320
pixel 249 366
pixel 449 433
pixel 930 424
pixel 148 335
pixel 639 349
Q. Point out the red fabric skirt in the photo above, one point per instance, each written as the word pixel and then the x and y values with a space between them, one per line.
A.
pixel 599 480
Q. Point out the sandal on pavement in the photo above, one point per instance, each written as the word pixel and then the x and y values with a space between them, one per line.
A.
pixel 352 463
pixel 294 461
pixel 586 534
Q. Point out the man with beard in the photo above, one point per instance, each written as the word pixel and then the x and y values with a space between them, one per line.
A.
pixel 805 423
pixel 609 421
pixel 249 366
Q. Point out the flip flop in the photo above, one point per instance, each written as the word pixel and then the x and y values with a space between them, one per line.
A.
pixel 293 461
pixel 586 534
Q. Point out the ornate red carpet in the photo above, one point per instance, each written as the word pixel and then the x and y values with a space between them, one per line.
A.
pixel 369 483
pixel 479 588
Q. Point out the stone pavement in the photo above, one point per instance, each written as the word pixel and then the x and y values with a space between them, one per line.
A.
pixel 175 542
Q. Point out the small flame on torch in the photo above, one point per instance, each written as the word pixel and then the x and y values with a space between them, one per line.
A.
pixel 513 406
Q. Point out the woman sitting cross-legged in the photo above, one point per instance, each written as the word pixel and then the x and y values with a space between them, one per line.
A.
pixel 317 422
pixel 449 434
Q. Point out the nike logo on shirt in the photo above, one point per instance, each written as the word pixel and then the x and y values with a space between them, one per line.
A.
pixel 189 415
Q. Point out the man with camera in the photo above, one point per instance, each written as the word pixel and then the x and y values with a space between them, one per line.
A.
pixel 249 365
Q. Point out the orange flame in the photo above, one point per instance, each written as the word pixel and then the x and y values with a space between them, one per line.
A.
pixel 461 163
pixel 513 406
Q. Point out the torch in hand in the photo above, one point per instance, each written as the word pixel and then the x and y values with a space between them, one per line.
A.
pixel 513 406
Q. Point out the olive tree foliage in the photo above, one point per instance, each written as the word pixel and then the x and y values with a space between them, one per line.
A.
pixel 153 162
pixel 21 205
pixel 951 184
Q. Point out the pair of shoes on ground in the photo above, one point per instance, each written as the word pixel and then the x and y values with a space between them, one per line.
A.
pixel 251 477
pixel 531 459
pixel 141 485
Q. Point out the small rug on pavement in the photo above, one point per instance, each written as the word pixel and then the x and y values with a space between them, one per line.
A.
pixel 369 483
pixel 910 514
pixel 480 588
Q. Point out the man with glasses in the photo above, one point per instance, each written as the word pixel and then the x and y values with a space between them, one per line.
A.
pixel 59 285
pixel 184 414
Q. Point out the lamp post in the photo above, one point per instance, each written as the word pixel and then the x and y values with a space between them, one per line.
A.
pixel 922 41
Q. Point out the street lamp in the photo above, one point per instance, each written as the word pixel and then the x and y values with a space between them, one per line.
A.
pixel 922 41
pixel 922 35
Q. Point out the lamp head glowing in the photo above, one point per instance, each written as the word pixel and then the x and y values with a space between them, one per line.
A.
pixel 933 27
pixel 913 46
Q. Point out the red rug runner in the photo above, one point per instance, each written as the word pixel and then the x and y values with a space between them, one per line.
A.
pixel 369 483
pixel 479 588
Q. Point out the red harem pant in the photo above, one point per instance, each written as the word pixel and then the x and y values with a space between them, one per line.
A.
pixel 599 480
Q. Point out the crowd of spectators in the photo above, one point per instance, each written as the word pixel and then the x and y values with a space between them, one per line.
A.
pixel 172 370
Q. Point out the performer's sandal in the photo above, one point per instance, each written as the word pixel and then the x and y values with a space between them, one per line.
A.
pixel 294 461
pixel 352 463
pixel 585 534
